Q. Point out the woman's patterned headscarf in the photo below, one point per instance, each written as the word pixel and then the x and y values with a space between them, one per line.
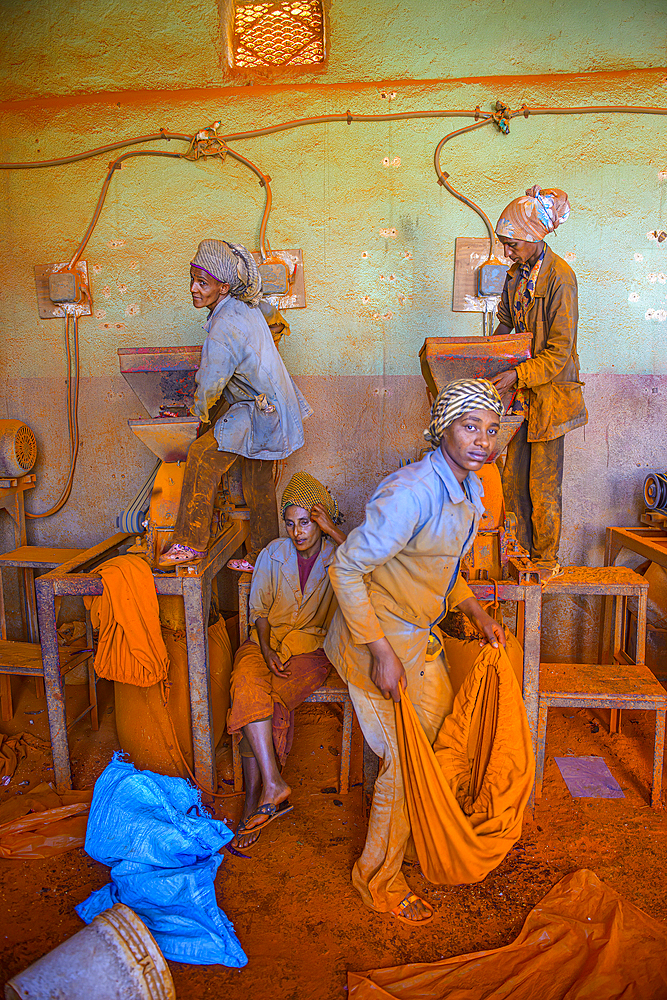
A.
pixel 534 215
pixel 457 399
pixel 305 491
pixel 233 265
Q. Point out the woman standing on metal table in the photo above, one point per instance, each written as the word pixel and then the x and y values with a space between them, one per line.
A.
pixel 263 421
pixel 540 297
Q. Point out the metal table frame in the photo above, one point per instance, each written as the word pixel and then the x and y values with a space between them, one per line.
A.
pixel 625 683
pixel 12 499
pixel 641 540
pixel 648 540
pixel 193 584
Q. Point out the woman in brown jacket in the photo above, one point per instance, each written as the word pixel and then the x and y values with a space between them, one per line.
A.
pixel 540 297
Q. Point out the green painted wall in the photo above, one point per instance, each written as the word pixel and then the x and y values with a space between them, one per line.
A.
pixel 85 46
pixel 334 197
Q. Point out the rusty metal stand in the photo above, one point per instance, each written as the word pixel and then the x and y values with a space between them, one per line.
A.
pixel 26 558
pixel 12 499
pixel 617 682
pixel 25 658
pixel 649 542
pixel 193 584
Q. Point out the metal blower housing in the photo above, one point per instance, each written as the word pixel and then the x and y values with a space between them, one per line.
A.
pixel 18 449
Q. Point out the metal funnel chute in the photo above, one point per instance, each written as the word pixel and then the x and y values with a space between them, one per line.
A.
pixel 444 359
pixel 163 379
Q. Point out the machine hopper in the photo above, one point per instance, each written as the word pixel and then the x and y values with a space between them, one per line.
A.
pixel 444 359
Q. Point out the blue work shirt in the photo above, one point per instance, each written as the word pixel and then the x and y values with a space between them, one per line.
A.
pixel 240 361
pixel 399 571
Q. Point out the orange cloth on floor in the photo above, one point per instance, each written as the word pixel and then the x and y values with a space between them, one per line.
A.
pixel 466 795
pixel 582 941
pixel 42 823
pixel 14 748
pixel 131 648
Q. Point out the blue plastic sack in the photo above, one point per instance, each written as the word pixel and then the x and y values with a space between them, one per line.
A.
pixel 162 849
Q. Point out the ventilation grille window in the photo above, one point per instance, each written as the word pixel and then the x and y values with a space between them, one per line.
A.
pixel 279 34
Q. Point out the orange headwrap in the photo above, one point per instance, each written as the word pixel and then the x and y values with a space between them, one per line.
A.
pixel 534 215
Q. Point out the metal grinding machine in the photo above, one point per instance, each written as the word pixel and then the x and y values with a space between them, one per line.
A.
pixel 163 379
pixel 496 551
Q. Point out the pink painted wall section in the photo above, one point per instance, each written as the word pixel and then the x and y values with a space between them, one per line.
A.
pixel 363 427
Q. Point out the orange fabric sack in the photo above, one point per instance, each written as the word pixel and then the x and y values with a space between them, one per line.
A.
pixel 466 795
pixel 131 648
pixel 582 941
pixel 43 823
pixel 146 727
pixel 14 748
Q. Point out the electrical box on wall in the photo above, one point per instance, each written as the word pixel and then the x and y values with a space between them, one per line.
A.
pixel 478 281
pixel 282 278
pixel 491 277
pixel 60 290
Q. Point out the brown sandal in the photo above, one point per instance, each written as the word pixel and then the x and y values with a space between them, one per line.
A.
pixel 403 905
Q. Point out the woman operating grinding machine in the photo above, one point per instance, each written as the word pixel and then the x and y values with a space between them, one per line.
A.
pixel 263 421
pixel 539 297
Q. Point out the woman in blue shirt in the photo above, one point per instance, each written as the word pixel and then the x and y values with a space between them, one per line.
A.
pixel 263 420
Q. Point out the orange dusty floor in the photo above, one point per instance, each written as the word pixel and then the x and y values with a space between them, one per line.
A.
pixel 297 917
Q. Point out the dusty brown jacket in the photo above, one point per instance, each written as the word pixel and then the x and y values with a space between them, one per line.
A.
pixel 555 397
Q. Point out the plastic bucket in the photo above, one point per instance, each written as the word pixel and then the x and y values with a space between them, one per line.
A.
pixel 113 958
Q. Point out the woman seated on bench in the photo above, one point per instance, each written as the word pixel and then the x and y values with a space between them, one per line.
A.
pixel 291 606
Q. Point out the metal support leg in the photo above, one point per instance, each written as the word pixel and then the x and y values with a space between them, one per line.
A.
pixel 371 771
pixel 196 598
pixel 53 682
pixel 6 706
pixel 92 679
pixel 541 745
pixel 32 628
pixel 348 716
pixel 640 642
pixel 658 752
pixel 237 762
pixel 245 579
pixel 520 618
pixel 531 656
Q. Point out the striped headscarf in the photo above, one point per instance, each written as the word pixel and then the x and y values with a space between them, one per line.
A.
pixel 457 399
pixel 234 266
pixel 534 215
pixel 304 491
